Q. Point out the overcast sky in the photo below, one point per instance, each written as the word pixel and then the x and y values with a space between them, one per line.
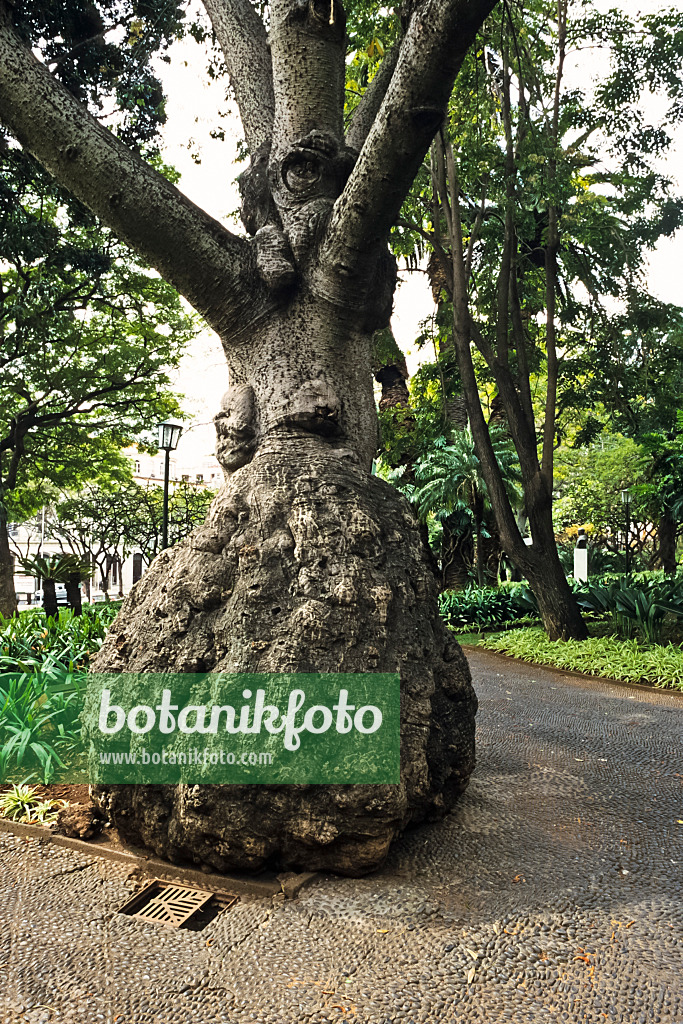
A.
pixel 193 101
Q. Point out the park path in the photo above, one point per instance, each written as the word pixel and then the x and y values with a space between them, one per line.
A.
pixel 552 893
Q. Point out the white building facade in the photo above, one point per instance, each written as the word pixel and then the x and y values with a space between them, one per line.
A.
pixel 36 538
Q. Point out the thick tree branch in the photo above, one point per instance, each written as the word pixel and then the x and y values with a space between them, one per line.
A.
pixel 242 37
pixel 308 45
pixel 191 250
pixel 365 113
pixel 436 42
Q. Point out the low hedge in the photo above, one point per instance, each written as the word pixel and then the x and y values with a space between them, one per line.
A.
pixel 605 656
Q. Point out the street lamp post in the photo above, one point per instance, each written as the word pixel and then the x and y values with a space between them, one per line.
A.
pixel 169 435
pixel 625 501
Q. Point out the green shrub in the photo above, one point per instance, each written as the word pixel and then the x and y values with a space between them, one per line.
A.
pixel 43 661
pixel 644 607
pixel 31 636
pixel 486 606
pixel 526 620
pixel 638 579
pixel 598 656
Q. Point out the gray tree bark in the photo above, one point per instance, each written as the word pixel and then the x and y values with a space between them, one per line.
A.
pixel 306 562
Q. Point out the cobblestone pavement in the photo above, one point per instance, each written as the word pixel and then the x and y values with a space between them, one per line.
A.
pixel 552 893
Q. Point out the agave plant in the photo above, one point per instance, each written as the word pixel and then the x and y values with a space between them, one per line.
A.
pixel 64 568
pixel 645 607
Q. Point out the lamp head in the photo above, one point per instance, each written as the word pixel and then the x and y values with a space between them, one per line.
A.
pixel 169 435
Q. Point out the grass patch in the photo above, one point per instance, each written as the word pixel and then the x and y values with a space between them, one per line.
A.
pixel 470 638
pixel 606 656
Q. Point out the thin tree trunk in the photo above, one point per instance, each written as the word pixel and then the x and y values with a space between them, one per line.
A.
pixel 73 594
pixel 457 556
pixel 540 562
pixel 667 529
pixel 556 603
pixel 50 599
pixel 480 557
pixel 492 552
pixel 478 523
pixel 8 597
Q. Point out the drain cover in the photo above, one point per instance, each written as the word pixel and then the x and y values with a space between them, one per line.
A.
pixel 166 903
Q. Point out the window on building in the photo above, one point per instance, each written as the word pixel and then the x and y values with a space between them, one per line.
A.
pixel 185 478
pixel 200 478
pixel 137 465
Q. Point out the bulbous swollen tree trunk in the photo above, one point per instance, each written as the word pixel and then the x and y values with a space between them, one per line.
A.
pixel 305 563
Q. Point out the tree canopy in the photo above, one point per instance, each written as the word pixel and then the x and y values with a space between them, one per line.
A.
pixel 536 211
pixel 89 338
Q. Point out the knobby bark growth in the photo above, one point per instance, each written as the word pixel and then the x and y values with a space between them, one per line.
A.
pixel 306 562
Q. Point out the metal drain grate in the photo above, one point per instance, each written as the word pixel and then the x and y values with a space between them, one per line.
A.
pixel 167 903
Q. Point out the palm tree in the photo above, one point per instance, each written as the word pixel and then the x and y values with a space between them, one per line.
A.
pixel 69 569
pixel 449 482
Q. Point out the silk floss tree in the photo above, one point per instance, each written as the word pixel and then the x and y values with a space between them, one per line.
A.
pixel 306 561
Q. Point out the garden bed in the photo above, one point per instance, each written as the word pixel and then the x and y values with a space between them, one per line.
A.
pixel 604 656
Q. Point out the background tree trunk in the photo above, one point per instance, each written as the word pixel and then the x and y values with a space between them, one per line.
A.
pixel 667 529
pixel 50 599
pixel 543 570
pixel 457 555
pixel 73 594
pixel 492 552
pixel 556 603
pixel 8 597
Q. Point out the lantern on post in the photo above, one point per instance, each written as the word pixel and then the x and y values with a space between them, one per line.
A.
pixel 626 502
pixel 169 435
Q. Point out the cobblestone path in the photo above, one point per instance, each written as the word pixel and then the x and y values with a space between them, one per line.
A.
pixel 553 893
